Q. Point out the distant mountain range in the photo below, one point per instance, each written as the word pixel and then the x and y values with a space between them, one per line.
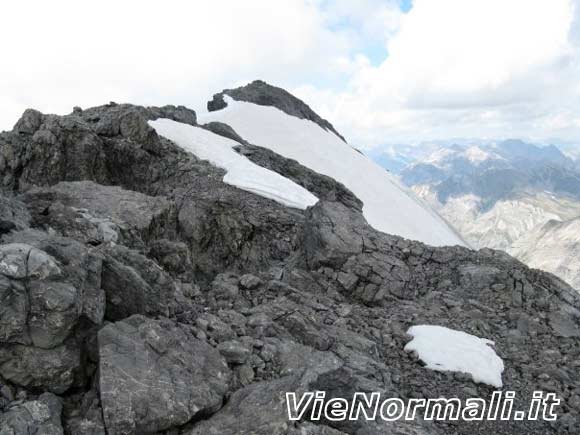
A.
pixel 509 195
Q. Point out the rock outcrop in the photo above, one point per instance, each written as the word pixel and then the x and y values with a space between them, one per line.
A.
pixel 141 294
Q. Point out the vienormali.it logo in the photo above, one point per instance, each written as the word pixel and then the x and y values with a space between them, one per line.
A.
pixel 315 406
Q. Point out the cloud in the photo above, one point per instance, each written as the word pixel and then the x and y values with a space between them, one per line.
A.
pixel 467 67
pixel 65 53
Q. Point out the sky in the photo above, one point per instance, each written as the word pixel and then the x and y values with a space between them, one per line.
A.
pixel 382 71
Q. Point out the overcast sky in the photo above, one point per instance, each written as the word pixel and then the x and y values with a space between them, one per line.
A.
pixel 382 71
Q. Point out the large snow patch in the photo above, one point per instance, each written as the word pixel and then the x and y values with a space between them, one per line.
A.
pixel 388 206
pixel 241 172
pixel 445 349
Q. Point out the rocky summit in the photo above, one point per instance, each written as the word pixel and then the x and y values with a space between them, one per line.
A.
pixel 142 294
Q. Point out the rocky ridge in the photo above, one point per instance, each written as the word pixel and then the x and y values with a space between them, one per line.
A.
pixel 141 294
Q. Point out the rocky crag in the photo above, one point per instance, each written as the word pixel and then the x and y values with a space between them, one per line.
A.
pixel 140 294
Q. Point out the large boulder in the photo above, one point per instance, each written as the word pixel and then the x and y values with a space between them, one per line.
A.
pixel 259 409
pixel 154 375
pixel 40 416
pixel 40 369
pixel 43 297
pixel 98 214
pixel 51 297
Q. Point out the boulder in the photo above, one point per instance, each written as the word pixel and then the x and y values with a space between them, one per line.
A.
pixel 99 214
pixel 39 416
pixel 43 297
pixel 135 284
pixel 154 375
pixel 35 368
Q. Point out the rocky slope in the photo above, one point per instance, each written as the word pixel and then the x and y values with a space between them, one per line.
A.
pixel 142 294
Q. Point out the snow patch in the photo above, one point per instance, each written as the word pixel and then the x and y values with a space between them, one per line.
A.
pixel 387 205
pixel 445 349
pixel 241 172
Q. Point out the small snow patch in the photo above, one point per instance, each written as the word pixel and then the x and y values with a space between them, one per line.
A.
pixel 241 172
pixel 445 349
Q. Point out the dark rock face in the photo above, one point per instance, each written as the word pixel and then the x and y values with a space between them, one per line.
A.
pixel 222 301
pixel 260 92
pixel 13 216
pixel 154 376
pixel 223 130
pixel 135 284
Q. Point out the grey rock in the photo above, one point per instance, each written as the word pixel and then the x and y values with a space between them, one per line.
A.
pixel 223 130
pixel 176 113
pixel 86 419
pixel 13 312
pixel 249 281
pixel 245 374
pixel 19 260
pixel 135 284
pixel 172 256
pixel 143 361
pixel 331 234
pixel 234 352
pixel 43 299
pixel 54 311
pixel 295 357
pixel 39 416
pixel 40 369
pixel 225 286
pixel 108 213
pixel 308 428
pixel 29 122
pixel 239 416
pixel 564 325
pixel 13 215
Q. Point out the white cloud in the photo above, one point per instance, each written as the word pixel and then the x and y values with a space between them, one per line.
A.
pixel 450 49
pixel 467 67
pixel 59 54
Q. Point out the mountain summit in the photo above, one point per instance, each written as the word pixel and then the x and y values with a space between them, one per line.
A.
pixel 260 92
